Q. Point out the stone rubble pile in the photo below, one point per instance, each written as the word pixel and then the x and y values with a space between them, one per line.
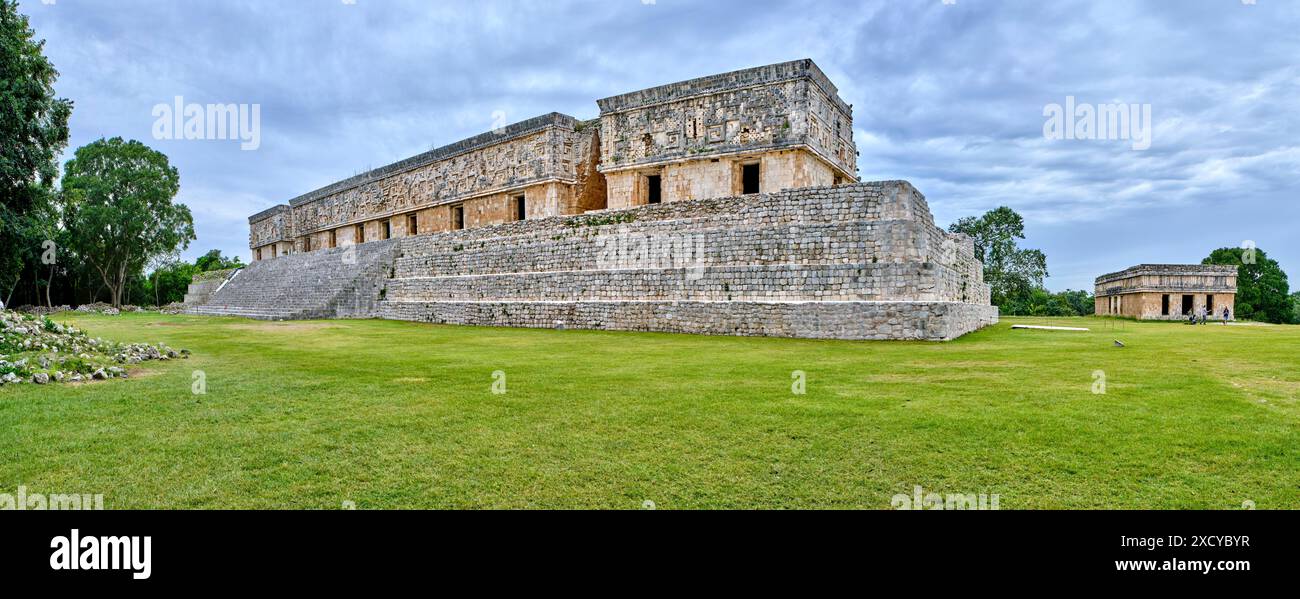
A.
pixel 94 308
pixel 174 308
pixel 40 351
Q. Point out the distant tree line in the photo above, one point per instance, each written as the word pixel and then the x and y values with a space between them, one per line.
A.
pixel 89 235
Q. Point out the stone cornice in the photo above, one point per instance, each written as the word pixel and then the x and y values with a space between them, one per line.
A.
pixel 1212 270
pixel 713 84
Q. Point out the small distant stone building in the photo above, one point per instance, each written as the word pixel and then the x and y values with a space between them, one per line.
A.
pixel 1168 291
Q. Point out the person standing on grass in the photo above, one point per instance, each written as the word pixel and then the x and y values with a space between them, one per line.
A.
pixel 1225 315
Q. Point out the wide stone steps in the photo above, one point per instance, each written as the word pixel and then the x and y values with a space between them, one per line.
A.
pixel 322 284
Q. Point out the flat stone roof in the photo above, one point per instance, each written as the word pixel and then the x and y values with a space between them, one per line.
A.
pixel 773 73
pixel 1216 270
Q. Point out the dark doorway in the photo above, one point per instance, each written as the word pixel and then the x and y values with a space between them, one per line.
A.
pixel 457 217
pixel 521 208
pixel 386 232
pixel 1187 305
pixel 1164 305
pixel 1209 304
pixel 749 176
pixel 412 225
pixel 334 238
pixel 361 234
pixel 654 189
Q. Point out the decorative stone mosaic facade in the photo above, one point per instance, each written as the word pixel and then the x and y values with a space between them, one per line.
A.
pixel 695 138
pixel 697 134
pixel 1168 291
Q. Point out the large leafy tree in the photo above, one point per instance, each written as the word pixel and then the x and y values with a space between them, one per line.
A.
pixel 119 209
pixel 1012 272
pixel 1262 289
pixel 33 130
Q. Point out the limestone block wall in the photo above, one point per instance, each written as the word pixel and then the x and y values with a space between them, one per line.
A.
pixel 1150 306
pixel 861 261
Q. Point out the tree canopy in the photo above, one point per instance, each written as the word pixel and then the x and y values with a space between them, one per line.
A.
pixel 33 130
pixel 1013 273
pixel 213 260
pixel 1262 290
pixel 119 211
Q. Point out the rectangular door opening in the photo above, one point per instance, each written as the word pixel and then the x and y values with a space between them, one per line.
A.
pixel 749 177
pixel 654 189
pixel 1164 305
pixel 1187 305
pixel 520 208
pixel 458 217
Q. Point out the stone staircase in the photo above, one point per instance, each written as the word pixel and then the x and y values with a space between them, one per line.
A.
pixel 336 283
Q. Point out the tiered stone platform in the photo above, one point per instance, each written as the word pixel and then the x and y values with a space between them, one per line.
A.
pixel 861 261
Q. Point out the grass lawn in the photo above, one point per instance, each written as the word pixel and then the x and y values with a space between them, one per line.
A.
pixel 402 415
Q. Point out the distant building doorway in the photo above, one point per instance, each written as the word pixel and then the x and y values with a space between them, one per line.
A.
pixel 1188 302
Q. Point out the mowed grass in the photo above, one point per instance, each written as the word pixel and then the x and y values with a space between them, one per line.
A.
pixel 402 415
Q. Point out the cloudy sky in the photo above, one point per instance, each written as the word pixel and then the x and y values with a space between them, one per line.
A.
pixel 950 96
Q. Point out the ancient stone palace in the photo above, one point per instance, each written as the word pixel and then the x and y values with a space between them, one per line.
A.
pixel 727 204
pixel 1168 291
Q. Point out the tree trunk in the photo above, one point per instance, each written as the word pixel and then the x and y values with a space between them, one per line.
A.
pixel 10 298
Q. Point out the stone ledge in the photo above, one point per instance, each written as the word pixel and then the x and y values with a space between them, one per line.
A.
pixel 919 321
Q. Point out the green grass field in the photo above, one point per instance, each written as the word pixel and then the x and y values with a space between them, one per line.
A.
pixel 402 415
